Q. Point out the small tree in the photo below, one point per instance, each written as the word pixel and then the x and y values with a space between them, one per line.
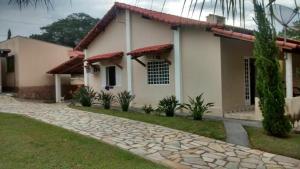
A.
pixel 269 87
pixel 8 34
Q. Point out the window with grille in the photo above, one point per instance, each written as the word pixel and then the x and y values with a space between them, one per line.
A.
pixel 158 72
pixel 247 80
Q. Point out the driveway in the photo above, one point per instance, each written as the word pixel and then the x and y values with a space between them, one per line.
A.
pixel 170 147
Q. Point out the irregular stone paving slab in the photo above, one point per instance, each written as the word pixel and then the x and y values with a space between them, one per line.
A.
pixel 235 133
pixel 170 147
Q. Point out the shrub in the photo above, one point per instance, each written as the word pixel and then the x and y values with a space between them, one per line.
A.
pixel 124 98
pixel 197 107
pixel 148 109
pixel 269 86
pixel 106 99
pixel 168 105
pixel 85 96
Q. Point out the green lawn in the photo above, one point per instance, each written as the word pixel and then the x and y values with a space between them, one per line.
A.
pixel 285 146
pixel 27 143
pixel 212 129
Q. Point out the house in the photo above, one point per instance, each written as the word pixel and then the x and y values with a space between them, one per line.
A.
pixel 154 55
pixel 24 64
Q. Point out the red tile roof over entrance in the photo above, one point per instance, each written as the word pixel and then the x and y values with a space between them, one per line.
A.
pixel 105 56
pixel 289 45
pixel 172 20
pixel 151 50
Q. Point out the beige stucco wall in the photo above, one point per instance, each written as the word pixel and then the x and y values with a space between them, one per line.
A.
pixel 36 58
pixel 233 72
pixel 33 58
pixel 111 40
pixel 201 66
pixel 145 33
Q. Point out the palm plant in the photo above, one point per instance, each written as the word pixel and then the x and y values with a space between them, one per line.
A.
pixel 168 105
pixel 234 8
pixel 106 99
pixel 25 3
pixel 148 109
pixel 124 99
pixel 198 107
pixel 85 96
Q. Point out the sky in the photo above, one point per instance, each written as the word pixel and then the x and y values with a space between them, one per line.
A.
pixel 29 20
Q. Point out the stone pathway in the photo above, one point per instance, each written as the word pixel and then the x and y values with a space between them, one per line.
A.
pixel 170 147
pixel 235 133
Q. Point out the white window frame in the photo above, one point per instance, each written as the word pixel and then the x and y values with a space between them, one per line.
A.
pixel 147 77
pixel 247 80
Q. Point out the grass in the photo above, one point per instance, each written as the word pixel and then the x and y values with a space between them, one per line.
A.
pixel 27 143
pixel 284 146
pixel 212 129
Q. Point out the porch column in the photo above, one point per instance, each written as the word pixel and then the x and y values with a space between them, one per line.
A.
pixel 85 71
pixel 57 88
pixel 289 75
pixel 128 49
pixel 177 63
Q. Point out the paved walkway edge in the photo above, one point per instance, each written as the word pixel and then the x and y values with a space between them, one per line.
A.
pixel 236 134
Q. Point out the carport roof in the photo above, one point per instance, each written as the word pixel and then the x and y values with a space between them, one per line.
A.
pixel 72 66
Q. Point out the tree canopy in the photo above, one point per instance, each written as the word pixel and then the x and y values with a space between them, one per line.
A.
pixel 68 31
pixel 8 34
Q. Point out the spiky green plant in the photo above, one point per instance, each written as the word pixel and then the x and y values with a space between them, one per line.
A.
pixel 198 107
pixel 106 99
pixel 85 96
pixel 168 105
pixel 269 86
pixel 124 99
pixel 148 109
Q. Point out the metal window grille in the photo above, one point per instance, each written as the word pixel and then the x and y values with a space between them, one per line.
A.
pixel 158 72
pixel 247 80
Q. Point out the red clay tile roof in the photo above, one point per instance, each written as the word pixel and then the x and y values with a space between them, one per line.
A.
pixel 289 45
pixel 72 66
pixel 172 20
pixel 151 50
pixel 105 56
pixel 75 53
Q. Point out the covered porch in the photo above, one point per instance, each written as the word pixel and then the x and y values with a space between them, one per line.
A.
pixel 74 68
pixel 239 80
